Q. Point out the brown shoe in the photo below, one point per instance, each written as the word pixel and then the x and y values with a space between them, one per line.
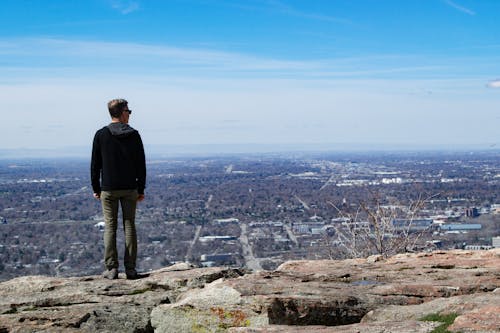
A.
pixel 111 274
pixel 131 274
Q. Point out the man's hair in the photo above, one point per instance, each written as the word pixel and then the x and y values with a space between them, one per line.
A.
pixel 116 107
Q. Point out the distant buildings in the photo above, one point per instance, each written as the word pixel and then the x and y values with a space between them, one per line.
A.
pixel 471 212
pixel 460 227
pixel 228 220
pixel 204 239
pixel 397 180
pixel 357 225
pixel 478 247
pixel 308 228
pixel 100 225
pixel 412 224
pixel 209 260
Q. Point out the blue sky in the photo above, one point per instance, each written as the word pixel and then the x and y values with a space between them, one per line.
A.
pixel 374 72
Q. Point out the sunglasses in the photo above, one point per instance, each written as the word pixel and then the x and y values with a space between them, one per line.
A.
pixel 129 111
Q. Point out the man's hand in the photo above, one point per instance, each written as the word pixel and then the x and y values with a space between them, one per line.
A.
pixel 97 195
pixel 140 197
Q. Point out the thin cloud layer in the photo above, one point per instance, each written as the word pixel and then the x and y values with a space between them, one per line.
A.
pixel 74 56
pixel 494 84
pixel 459 7
pixel 279 7
pixel 125 7
pixel 286 9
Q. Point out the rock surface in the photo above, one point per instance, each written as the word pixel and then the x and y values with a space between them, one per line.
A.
pixel 386 327
pixel 356 295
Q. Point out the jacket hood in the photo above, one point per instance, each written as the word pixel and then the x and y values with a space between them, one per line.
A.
pixel 120 129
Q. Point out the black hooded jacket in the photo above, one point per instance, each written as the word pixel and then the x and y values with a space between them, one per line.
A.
pixel 118 161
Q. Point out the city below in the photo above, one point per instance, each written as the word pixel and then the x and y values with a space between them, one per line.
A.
pixel 253 210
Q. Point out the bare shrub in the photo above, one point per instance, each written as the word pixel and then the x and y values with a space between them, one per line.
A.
pixel 374 228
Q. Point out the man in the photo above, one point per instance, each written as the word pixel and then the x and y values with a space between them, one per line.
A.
pixel 118 175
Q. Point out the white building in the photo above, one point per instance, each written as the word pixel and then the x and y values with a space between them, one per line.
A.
pixel 495 242
pixel 228 220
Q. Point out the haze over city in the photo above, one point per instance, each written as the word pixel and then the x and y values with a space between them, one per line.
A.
pixel 341 73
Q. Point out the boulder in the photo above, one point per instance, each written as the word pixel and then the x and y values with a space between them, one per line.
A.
pixel 356 295
pixel 386 327
pixel 94 304
pixel 211 309
pixel 475 313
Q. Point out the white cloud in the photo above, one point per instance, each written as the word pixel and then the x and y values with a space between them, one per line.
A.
pixel 286 9
pixel 187 95
pixel 125 7
pixel 459 7
pixel 242 110
pixel 279 7
pixel 149 54
pixel 494 84
pixel 96 58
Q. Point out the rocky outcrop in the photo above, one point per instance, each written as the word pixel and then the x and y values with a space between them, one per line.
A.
pixel 94 304
pixel 356 295
pixel 479 312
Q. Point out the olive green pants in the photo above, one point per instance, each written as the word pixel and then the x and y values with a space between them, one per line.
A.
pixel 110 200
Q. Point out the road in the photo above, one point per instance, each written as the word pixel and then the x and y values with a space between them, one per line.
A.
pixel 302 202
pixel 328 182
pixel 195 239
pixel 250 261
pixel 207 204
pixel 291 235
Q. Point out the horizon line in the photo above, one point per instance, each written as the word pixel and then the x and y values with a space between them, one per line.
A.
pixel 214 149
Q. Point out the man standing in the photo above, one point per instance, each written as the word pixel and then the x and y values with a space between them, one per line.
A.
pixel 118 175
